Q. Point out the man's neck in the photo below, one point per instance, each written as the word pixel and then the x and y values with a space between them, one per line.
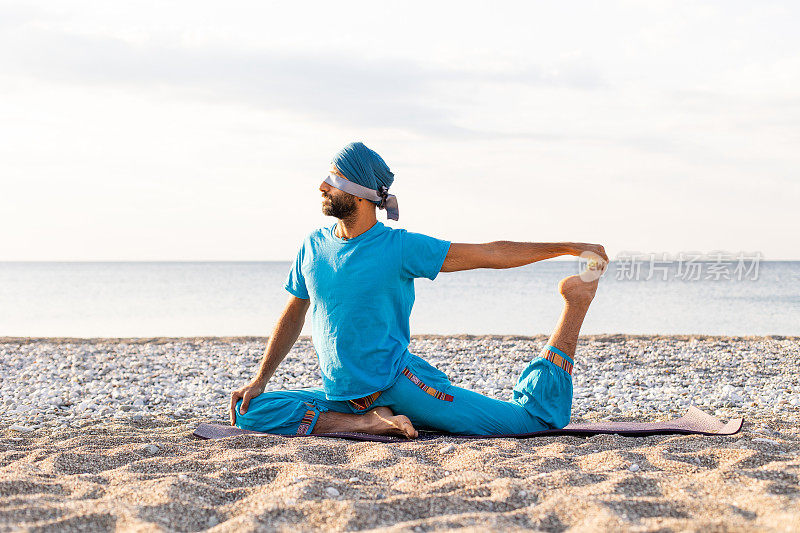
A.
pixel 350 229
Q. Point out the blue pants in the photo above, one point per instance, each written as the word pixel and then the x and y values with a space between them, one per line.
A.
pixel 542 399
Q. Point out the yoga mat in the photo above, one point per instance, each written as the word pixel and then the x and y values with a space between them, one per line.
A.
pixel 694 421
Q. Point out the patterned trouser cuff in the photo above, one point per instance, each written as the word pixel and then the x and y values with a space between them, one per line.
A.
pixel 363 403
pixel 558 358
pixel 309 419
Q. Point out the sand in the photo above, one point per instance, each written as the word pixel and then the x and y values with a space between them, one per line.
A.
pixel 150 474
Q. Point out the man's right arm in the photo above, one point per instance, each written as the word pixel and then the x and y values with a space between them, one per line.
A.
pixel 283 337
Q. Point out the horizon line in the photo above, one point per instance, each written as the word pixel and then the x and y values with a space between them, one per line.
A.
pixel 552 259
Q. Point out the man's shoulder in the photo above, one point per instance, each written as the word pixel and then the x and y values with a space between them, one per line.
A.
pixel 392 235
pixel 317 234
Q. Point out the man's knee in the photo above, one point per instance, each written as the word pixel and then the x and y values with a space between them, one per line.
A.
pixel 239 416
pixel 255 418
pixel 280 412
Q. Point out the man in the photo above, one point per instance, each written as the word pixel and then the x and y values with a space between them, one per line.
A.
pixel 357 276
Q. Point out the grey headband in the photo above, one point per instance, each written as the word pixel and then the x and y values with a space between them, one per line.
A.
pixel 387 201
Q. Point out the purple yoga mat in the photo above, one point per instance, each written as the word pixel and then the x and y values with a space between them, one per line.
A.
pixel 694 421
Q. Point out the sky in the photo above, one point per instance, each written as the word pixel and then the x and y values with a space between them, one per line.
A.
pixel 181 131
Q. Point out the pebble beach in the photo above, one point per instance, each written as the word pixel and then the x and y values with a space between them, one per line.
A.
pixel 95 435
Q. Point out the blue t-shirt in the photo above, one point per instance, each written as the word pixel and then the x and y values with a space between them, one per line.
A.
pixel 362 292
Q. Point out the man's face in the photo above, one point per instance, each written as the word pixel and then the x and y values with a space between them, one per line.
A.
pixel 337 203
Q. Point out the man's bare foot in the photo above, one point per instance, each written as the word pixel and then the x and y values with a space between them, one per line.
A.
pixel 576 291
pixel 382 421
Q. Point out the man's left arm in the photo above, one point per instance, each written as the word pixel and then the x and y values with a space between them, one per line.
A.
pixel 510 254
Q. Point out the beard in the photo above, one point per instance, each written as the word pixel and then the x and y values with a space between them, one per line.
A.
pixel 340 206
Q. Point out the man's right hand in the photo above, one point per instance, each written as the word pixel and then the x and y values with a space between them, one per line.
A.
pixel 589 251
pixel 247 393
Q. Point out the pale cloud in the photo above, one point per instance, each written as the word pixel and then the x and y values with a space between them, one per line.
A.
pixel 342 89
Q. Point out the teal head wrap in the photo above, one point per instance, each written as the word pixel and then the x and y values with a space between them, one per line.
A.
pixel 363 166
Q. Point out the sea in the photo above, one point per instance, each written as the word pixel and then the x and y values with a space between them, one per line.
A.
pixel 176 299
